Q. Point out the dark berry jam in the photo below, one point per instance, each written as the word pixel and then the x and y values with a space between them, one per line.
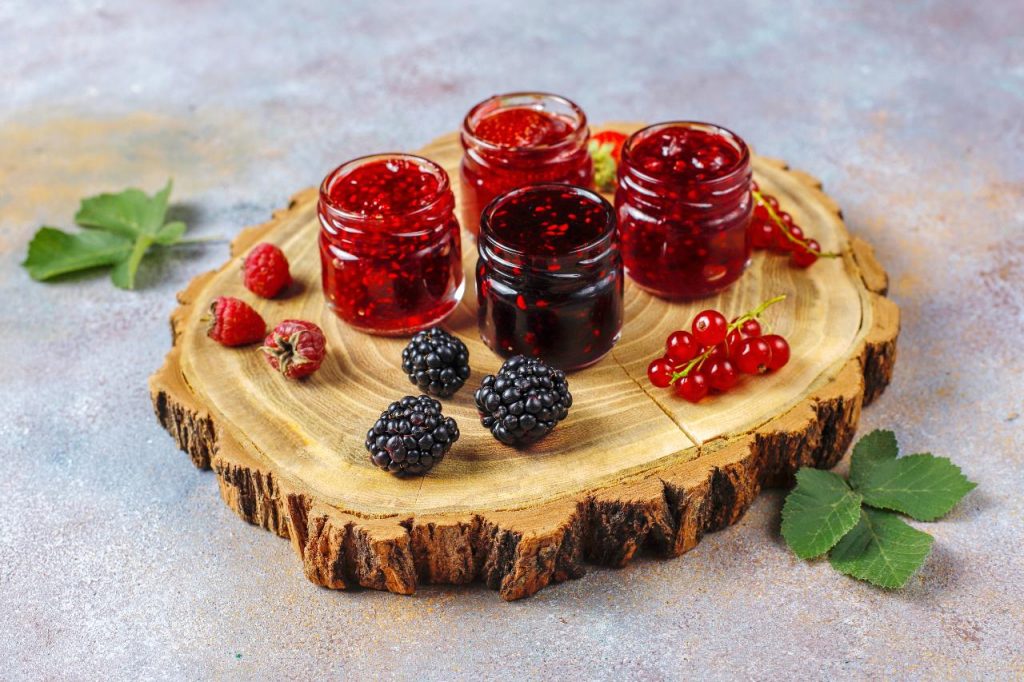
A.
pixel 521 139
pixel 549 278
pixel 389 244
pixel 684 206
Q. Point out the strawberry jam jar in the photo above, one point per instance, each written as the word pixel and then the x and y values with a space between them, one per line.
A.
pixel 390 253
pixel 519 139
pixel 684 205
pixel 549 277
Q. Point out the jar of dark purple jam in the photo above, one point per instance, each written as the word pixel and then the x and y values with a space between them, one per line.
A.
pixel 549 277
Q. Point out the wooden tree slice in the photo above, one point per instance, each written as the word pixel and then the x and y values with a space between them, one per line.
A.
pixel 632 467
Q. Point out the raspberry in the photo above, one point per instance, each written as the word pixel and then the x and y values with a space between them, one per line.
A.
pixel 295 348
pixel 265 270
pixel 234 323
pixel 436 361
pixel 524 401
pixel 411 436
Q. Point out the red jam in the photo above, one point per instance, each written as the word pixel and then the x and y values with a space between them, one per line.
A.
pixel 521 139
pixel 549 278
pixel 390 253
pixel 684 206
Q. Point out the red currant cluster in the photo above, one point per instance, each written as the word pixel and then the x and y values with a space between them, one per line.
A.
pixel 713 354
pixel 775 230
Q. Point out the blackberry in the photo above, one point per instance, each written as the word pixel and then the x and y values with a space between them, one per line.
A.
pixel 436 361
pixel 524 401
pixel 411 436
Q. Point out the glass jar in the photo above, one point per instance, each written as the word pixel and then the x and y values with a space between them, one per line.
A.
pixel 390 250
pixel 519 139
pixel 684 207
pixel 549 276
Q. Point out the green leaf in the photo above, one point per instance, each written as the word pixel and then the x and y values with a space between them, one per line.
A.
pixel 53 252
pixel 170 233
pixel 881 549
pixel 818 512
pixel 129 213
pixel 123 274
pixel 922 486
pixel 874 448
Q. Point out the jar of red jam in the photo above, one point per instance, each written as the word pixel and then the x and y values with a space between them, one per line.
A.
pixel 549 277
pixel 684 205
pixel 519 139
pixel 390 250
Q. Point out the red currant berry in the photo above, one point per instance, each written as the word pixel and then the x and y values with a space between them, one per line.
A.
pixel 762 234
pixel 660 372
pixel 732 341
pixel 787 244
pixel 786 219
pixel 680 347
pixel 754 357
pixel 780 351
pixel 807 256
pixel 771 201
pixel 692 387
pixel 719 351
pixel 753 186
pixel 781 243
pixel 710 327
pixel 722 375
pixel 750 328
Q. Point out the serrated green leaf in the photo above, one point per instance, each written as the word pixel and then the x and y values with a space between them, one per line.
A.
pixel 872 449
pixel 129 213
pixel 170 233
pixel 819 511
pixel 53 252
pixel 881 549
pixel 921 486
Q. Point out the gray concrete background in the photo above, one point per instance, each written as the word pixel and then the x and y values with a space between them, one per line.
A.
pixel 118 559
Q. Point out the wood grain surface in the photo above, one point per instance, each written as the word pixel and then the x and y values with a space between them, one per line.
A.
pixel 632 466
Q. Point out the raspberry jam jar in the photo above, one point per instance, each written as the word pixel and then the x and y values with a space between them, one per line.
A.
pixel 549 277
pixel 519 139
pixel 390 253
pixel 684 205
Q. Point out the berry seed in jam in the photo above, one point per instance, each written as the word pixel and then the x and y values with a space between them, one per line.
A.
pixel 684 204
pixel 521 139
pixel 549 277
pixel 389 244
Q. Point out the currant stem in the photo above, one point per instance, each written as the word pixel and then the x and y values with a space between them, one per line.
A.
pixel 734 325
pixel 782 226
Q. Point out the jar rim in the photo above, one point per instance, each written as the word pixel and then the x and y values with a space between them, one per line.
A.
pixel 442 191
pixel 469 122
pixel 487 233
pixel 741 165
